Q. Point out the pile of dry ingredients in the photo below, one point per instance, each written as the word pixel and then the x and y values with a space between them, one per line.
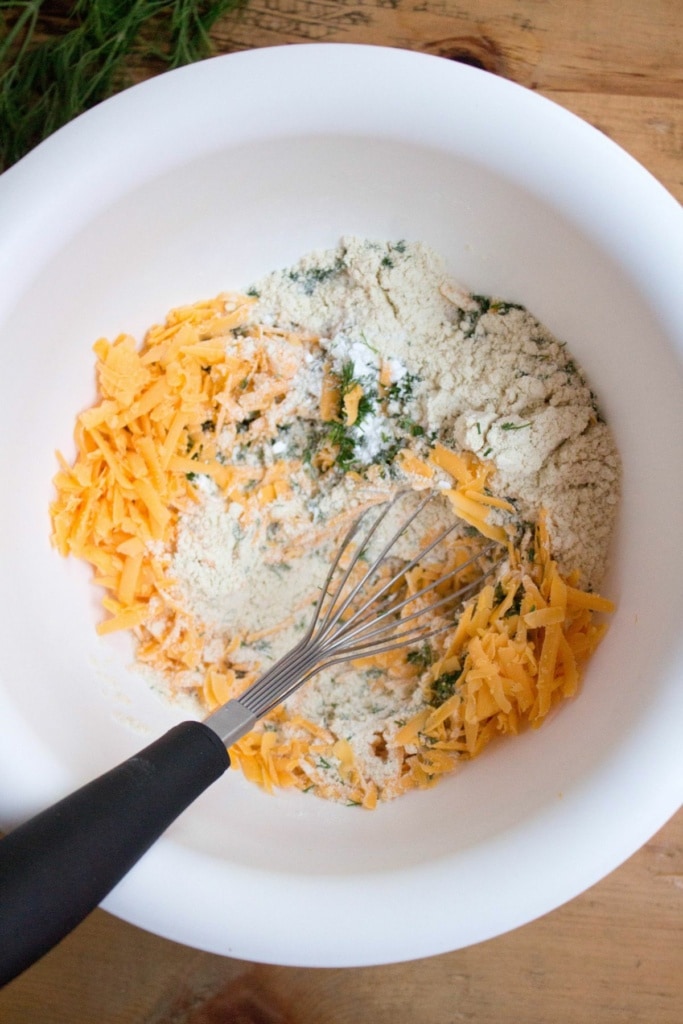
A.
pixel 276 417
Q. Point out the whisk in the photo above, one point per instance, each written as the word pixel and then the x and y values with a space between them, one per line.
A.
pixel 348 624
pixel 58 866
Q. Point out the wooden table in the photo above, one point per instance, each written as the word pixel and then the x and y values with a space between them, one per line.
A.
pixel 615 954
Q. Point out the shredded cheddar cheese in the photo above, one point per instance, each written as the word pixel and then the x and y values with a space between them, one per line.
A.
pixel 516 650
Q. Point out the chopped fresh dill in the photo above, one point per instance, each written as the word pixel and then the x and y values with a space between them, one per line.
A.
pixel 422 657
pixel 516 606
pixel 514 426
pixel 409 425
pixel 340 436
pixel 347 382
pixel 244 424
pixel 386 456
pixel 504 307
pixel 367 343
pixel 404 389
pixel 484 302
pixel 366 406
pixel 488 305
pixel 444 687
pixel 280 568
pixel 309 279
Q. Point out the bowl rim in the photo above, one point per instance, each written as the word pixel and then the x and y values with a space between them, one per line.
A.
pixel 96 177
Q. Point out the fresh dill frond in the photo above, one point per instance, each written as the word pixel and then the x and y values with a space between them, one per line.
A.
pixel 308 280
pixel 347 378
pixel 422 657
pixel 403 390
pixel 444 687
pixel 339 435
pixel 46 79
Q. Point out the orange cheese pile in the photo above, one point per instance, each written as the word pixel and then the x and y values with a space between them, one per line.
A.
pixel 520 648
pixel 138 451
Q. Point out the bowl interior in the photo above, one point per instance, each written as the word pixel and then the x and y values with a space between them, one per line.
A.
pixel 559 807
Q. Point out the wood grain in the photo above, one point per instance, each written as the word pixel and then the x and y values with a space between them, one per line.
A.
pixel 615 954
pixel 612 956
pixel 618 46
pixel 616 63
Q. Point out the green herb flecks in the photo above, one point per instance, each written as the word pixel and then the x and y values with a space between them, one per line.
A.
pixel 403 390
pixel 516 606
pixel 422 657
pixel 503 308
pixel 485 304
pixel 308 280
pixel 499 595
pixel 411 427
pixel 387 262
pixel 514 426
pixel 443 688
pixel 45 82
pixel 244 424
pixel 340 436
pixel 340 433
pixel 347 382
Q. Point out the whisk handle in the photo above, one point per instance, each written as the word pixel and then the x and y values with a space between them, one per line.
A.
pixel 59 865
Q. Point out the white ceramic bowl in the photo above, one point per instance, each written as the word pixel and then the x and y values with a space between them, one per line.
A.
pixel 204 179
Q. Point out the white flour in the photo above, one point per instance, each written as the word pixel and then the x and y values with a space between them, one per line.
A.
pixel 495 382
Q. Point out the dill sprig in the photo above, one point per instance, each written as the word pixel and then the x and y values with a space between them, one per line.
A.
pixel 341 434
pixel 46 79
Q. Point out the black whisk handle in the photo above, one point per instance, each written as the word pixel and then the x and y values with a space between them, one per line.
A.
pixel 59 865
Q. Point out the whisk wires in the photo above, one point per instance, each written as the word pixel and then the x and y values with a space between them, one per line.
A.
pixel 357 618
